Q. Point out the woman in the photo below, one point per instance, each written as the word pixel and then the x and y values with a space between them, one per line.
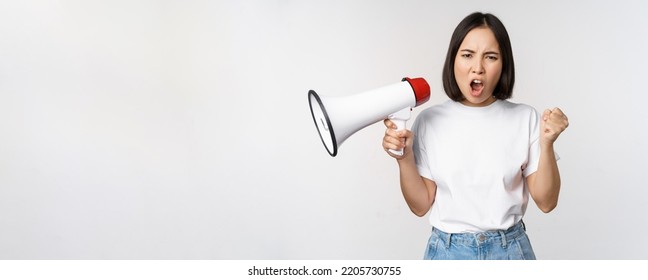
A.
pixel 473 160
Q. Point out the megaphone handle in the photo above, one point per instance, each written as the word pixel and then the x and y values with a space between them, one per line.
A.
pixel 400 124
pixel 400 120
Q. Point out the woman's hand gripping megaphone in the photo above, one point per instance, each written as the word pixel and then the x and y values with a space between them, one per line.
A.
pixel 399 122
pixel 397 141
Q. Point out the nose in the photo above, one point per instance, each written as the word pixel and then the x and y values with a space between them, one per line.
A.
pixel 478 68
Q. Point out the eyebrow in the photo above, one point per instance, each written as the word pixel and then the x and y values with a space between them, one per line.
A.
pixel 471 51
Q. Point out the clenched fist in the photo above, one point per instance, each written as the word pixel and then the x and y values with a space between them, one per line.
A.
pixel 553 123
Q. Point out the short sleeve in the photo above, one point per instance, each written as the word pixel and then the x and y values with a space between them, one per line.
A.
pixel 533 157
pixel 420 150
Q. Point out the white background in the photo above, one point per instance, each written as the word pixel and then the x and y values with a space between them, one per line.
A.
pixel 181 129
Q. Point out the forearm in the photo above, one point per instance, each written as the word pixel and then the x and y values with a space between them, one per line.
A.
pixel 545 187
pixel 417 194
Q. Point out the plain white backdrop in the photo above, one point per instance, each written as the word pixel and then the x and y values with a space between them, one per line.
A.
pixel 181 129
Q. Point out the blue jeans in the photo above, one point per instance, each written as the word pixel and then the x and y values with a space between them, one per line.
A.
pixel 510 244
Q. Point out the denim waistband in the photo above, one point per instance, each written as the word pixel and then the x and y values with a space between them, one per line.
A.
pixel 479 238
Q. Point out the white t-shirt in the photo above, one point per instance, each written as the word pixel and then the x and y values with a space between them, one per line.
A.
pixel 478 158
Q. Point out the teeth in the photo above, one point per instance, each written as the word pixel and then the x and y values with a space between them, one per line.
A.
pixel 477 81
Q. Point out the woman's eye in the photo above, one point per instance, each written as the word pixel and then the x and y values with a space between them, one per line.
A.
pixel 466 55
pixel 491 57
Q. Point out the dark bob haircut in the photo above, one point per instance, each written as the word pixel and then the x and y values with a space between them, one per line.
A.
pixel 504 88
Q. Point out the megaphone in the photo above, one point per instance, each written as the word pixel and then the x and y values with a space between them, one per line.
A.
pixel 337 118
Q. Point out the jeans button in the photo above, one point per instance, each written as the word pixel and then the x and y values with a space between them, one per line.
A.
pixel 482 237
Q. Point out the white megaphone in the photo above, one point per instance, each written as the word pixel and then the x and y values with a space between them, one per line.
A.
pixel 337 118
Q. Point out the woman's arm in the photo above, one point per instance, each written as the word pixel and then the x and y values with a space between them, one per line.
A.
pixel 544 184
pixel 419 192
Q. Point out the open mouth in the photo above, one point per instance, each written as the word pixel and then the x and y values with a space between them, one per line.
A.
pixel 476 87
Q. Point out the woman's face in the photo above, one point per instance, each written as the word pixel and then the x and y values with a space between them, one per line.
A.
pixel 478 67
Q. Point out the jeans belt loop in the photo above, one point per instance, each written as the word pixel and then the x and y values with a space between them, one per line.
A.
pixel 503 235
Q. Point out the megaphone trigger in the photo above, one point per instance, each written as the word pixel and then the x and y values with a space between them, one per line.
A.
pixel 402 115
